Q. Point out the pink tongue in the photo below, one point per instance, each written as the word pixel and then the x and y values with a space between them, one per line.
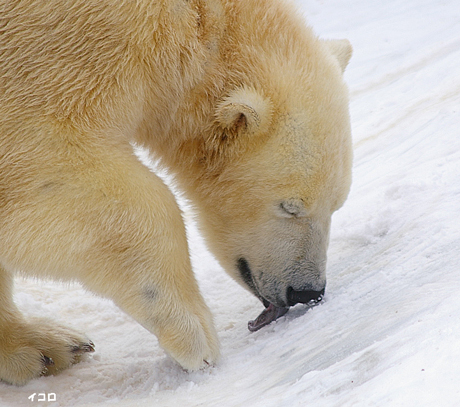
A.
pixel 268 315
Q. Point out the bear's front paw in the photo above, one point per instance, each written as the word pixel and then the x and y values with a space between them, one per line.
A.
pixel 191 340
pixel 30 350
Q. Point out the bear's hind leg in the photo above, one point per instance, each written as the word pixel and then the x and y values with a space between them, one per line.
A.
pixel 35 347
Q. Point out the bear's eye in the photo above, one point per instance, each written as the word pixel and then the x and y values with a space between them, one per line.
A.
pixel 292 208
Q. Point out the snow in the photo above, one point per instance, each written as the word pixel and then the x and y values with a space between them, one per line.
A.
pixel 387 333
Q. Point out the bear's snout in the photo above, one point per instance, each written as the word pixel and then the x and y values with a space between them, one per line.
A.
pixel 269 292
pixel 304 297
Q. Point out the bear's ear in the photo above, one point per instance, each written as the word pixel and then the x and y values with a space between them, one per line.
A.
pixel 245 110
pixel 341 49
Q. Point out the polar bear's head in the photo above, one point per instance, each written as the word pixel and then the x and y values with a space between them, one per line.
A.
pixel 279 164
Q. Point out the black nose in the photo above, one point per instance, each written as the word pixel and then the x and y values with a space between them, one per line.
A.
pixel 304 297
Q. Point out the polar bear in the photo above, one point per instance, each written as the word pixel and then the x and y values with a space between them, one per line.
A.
pixel 239 100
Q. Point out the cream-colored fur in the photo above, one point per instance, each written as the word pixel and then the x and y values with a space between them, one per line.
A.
pixel 239 100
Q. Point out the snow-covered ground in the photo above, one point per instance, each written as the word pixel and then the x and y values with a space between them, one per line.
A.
pixel 388 331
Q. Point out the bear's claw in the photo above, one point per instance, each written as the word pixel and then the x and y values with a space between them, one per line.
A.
pixel 83 348
pixel 47 361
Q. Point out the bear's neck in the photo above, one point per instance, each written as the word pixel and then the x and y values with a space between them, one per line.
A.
pixel 196 71
pixel 185 82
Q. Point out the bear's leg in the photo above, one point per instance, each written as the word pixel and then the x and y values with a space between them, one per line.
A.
pixel 140 260
pixel 36 347
pixel 104 220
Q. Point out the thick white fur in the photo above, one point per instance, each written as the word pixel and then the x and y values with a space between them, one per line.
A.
pixel 230 94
